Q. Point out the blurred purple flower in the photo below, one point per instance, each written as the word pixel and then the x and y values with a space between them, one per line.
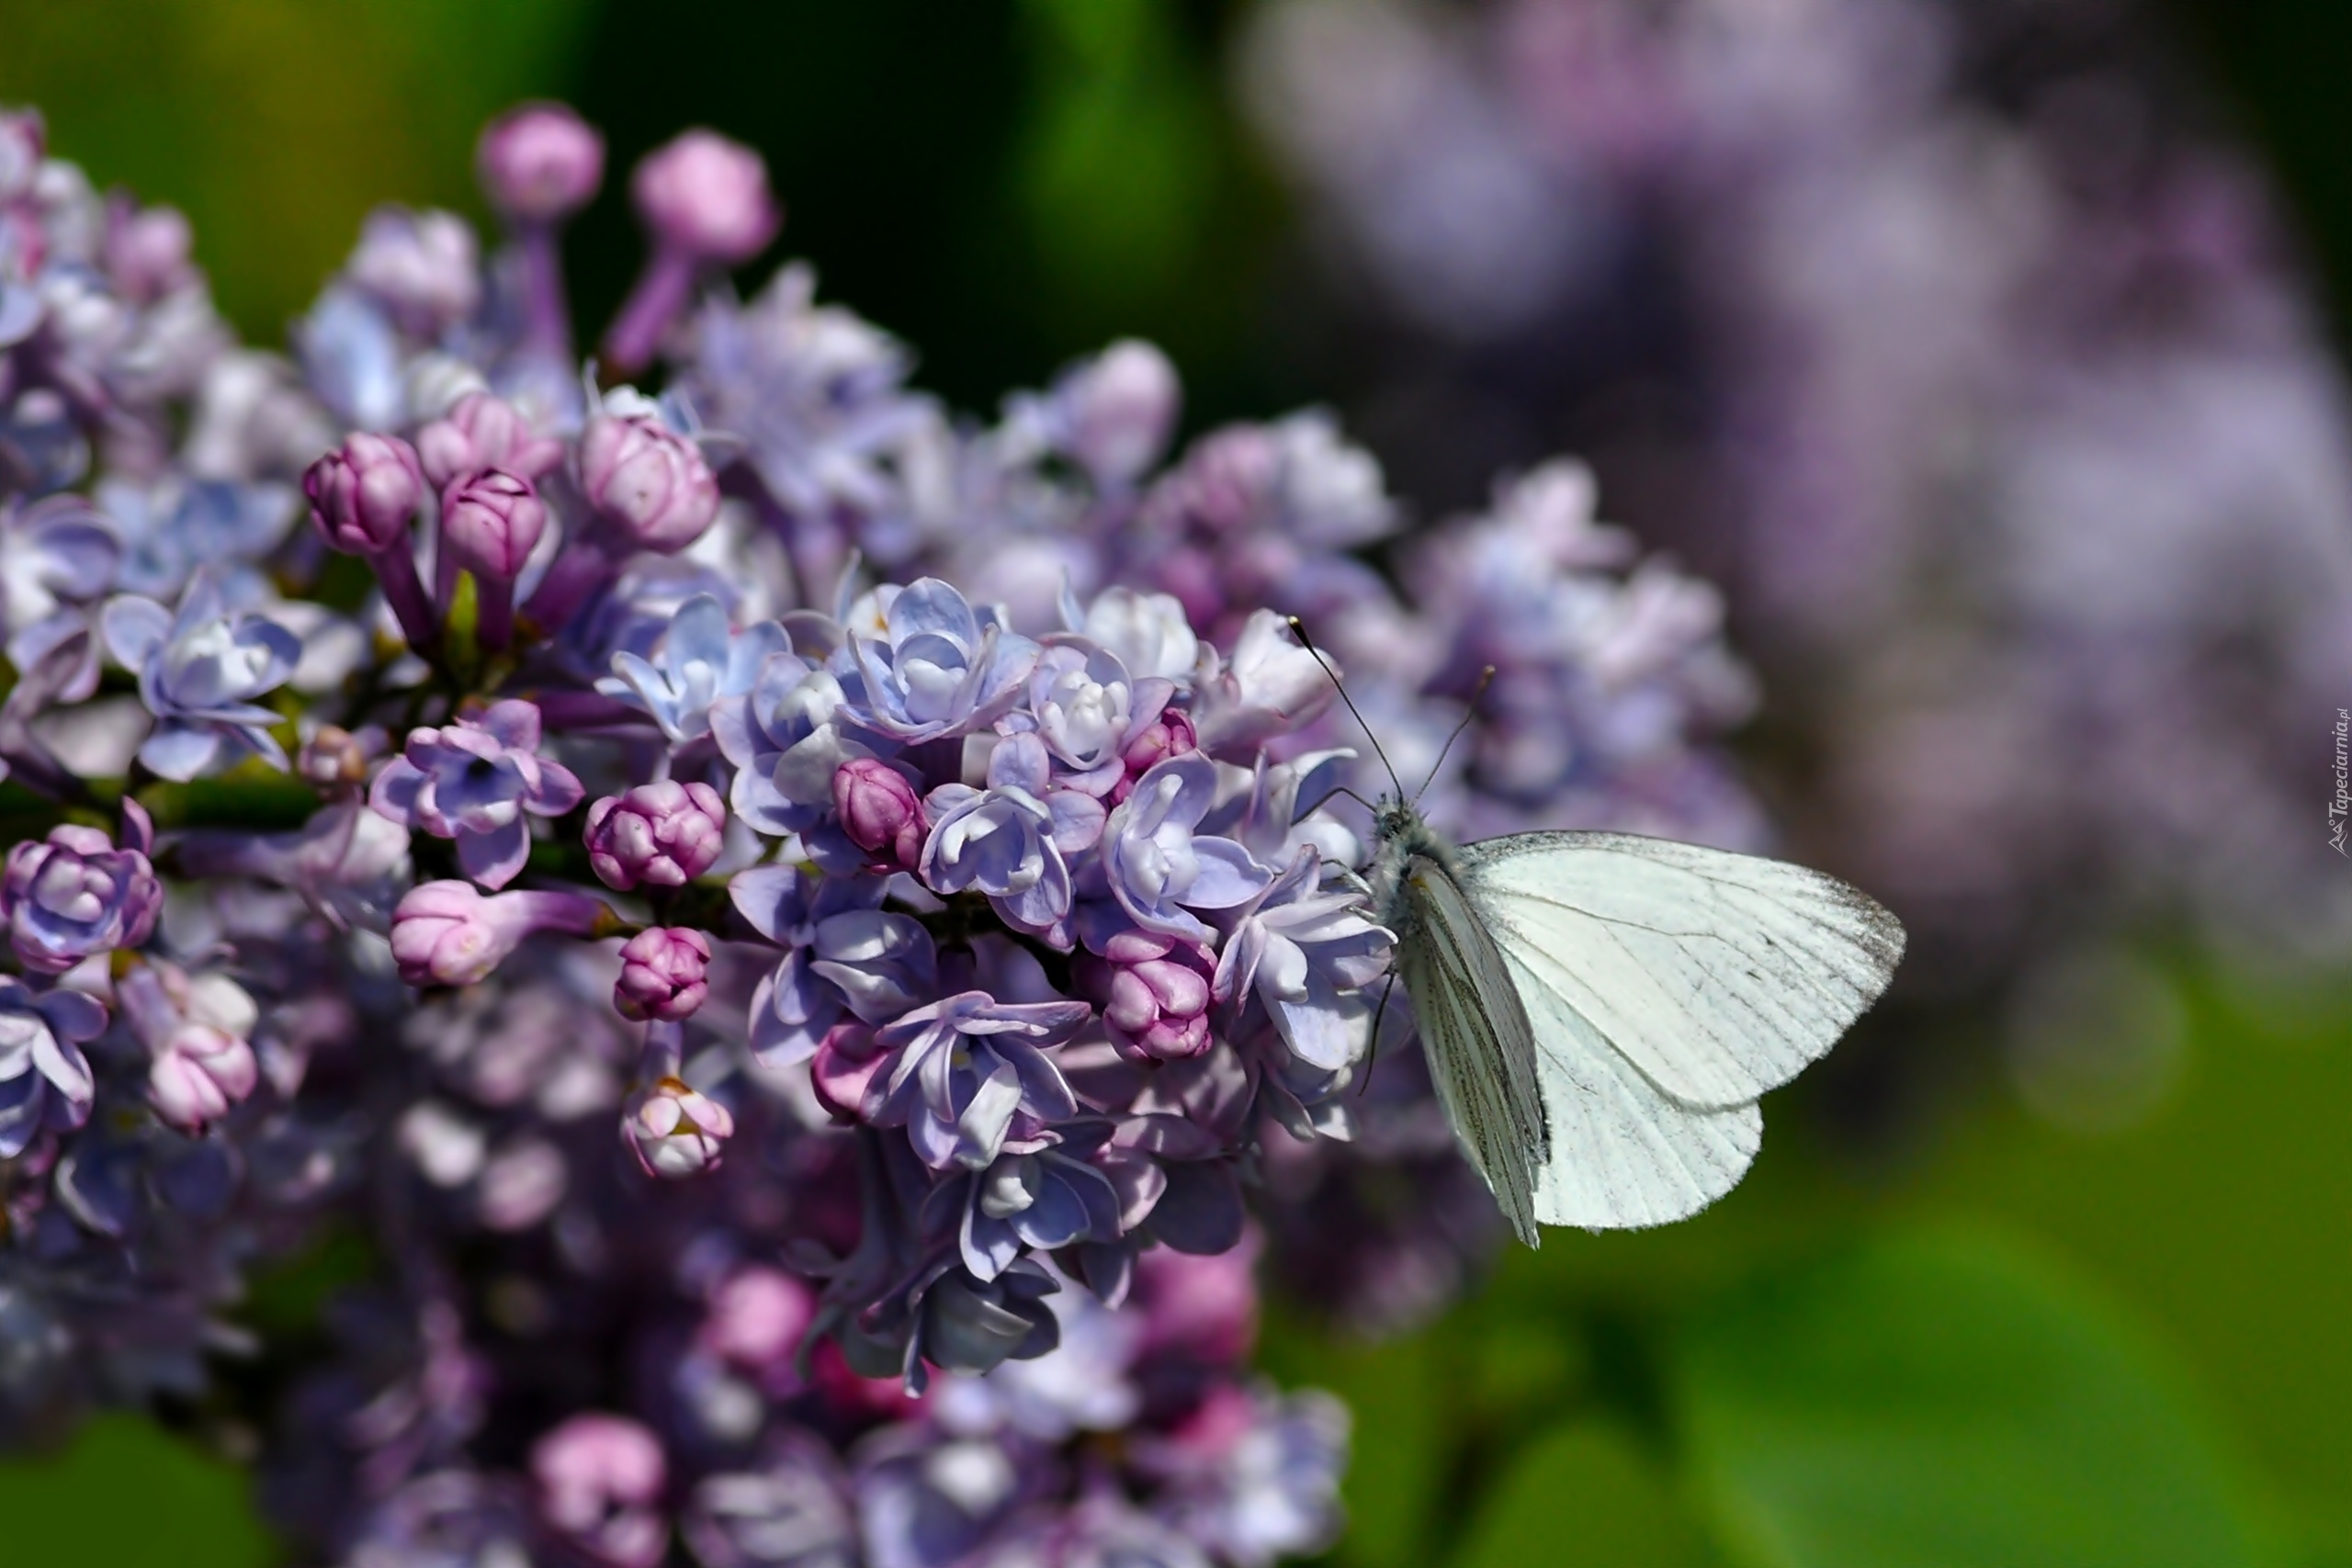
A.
pixel 600 1480
pixel 45 1081
pixel 198 1030
pixel 540 163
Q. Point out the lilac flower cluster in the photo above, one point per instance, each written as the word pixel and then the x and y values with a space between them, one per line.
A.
pixel 797 927
pixel 1982 375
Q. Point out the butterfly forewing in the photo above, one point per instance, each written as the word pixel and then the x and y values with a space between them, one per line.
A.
pixel 1717 976
pixel 1480 1047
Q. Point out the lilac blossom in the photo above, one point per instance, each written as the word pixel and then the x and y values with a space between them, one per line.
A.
pixel 647 482
pixel 475 780
pixel 1042 1200
pixel 820 392
pixel 786 741
pixel 349 864
pixel 647 487
pixel 419 266
pixel 170 529
pixel 841 954
pixel 937 666
pixel 1298 945
pixel 675 1130
pixel 1154 990
pixel 364 494
pixel 490 521
pixel 700 663
pixel 1012 840
pixel 1159 870
pixel 45 1082
pixel 55 552
pixel 76 894
pixel 963 1068
pixel 200 666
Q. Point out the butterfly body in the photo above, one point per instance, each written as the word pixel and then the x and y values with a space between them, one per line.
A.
pixel 1600 1011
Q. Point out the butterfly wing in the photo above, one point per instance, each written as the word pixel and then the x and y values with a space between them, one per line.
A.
pixel 1666 987
pixel 1476 1035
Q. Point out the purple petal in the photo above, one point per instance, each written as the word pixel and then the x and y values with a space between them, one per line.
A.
pixel 1228 875
pixel 492 858
pixel 179 751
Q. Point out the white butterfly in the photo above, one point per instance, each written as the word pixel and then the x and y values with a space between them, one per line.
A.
pixel 1600 1011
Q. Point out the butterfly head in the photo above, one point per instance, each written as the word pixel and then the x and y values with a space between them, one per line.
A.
pixel 1396 820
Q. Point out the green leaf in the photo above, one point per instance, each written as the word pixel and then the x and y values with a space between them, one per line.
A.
pixel 128 1494
pixel 1945 1401
pixel 1583 1494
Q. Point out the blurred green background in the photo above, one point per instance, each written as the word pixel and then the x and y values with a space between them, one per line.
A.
pixel 2002 1344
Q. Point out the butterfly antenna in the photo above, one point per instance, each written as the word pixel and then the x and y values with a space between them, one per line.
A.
pixel 1485 678
pixel 1298 630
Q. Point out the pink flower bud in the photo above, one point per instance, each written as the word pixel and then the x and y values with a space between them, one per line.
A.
pixel 195 1029
pixel 485 431
pixel 23 145
pixel 363 495
pixel 199 1076
pixel 1154 992
pixel 540 163
pixel 451 933
pixel 707 196
pixel 662 834
pixel 1169 735
pixel 490 522
pixel 649 484
pixel 879 811
pixel 843 1070
pixel 1121 410
pixel 674 1131
pixel 600 1480
pixel 147 249
pixel 665 973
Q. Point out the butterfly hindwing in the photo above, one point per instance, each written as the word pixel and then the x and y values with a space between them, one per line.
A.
pixel 1476 1036
pixel 1623 1155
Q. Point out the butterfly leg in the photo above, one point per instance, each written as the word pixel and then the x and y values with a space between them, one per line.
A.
pixel 1372 1041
